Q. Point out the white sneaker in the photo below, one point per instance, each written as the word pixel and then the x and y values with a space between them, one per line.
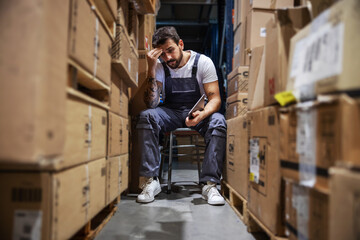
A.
pixel 212 195
pixel 150 188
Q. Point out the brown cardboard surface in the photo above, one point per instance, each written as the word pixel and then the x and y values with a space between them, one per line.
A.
pixel 256 79
pixel 266 189
pixel 331 69
pixel 50 198
pixel 118 135
pixel 344 204
pixel 146 30
pixel 271 4
pixel 236 105
pixel 307 213
pixel 238 47
pixel 97 172
pixel 278 34
pixel 133 27
pixel 84 28
pixel 124 172
pixel 108 9
pixel 119 95
pixel 33 81
pixel 318 6
pixel 123 13
pixel 238 80
pixel 113 178
pixel 137 103
pixel 125 57
pixel 237 155
pixel 86 133
pixel 329 135
pixel 256 27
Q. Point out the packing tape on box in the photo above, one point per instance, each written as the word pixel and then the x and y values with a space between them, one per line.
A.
pixel 300 202
pixel 87 190
pixel 96 50
pixel 119 177
pixel 306 145
pixel 89 134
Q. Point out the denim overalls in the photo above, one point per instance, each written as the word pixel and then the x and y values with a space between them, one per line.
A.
pixel 180 96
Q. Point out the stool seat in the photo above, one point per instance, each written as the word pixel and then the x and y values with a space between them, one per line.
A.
pixel 169 146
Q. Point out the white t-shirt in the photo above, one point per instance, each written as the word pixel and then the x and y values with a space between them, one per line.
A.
pixel 206 71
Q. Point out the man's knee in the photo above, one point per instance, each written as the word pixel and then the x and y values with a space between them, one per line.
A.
pixel 147 118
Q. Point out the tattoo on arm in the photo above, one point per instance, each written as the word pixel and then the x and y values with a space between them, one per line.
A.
pixel 210 94
pixel 152 93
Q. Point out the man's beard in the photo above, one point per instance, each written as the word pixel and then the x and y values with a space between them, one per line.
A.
pixel 177 61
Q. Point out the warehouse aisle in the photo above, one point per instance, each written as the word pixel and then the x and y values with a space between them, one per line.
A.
pixel 179 215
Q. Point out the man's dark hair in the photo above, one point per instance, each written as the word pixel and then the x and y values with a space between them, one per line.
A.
pixel 161 35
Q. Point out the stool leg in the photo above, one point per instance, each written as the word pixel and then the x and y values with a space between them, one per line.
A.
pixel 170 162
pixel 198 156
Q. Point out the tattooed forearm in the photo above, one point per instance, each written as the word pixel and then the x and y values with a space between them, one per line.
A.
pixel 152 93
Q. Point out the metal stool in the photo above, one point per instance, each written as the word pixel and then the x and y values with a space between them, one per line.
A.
pixel 168 151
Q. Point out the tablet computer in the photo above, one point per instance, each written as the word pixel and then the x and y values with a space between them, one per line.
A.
pixel 199 105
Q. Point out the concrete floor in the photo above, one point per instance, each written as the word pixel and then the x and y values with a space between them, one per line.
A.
pixel 181 215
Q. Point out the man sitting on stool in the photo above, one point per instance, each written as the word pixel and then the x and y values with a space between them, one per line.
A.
pixel 182 77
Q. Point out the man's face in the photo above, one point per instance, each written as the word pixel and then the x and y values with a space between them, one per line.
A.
pixel 172 53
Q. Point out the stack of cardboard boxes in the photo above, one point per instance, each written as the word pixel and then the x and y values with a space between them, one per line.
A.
pixel 306 59
pixel 64 145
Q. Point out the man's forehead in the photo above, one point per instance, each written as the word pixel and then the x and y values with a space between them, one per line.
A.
pixel 168 44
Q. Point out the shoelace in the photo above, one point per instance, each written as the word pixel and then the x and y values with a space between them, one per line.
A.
pixel 213 191
pixel 146 185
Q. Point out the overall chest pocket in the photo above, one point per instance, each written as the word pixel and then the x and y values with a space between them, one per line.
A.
pixel 183 85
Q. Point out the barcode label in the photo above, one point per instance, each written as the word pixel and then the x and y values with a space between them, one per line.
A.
pixel 27 225
pixel 319 55
pixel 254 160
pixel 26 195
pixel 263 32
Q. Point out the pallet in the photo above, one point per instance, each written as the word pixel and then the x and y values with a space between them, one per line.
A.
pixel 255 225
pixel 236 201
pixel 97 223
pixel 81 80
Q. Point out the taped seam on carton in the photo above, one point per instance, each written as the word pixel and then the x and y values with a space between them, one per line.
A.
pixel 119 176
pixel 89 134
pixel 96 50
pixel 87 194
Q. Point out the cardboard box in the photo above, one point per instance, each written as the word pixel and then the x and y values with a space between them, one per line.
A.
pixel 89 43
pixel 265 198
pixel 307 213
pixel 256 79
pixel 326 135
pixel 241 9
pixel 108 9
pixel 113 178
pixel 143 71
pixel 124 172
pixel 50 205
pixel 318 6
pixel 237 155
pixel 123 13
pixel 118 135
pixel 238 80
pixel 125 57
pixel 236 105
pixel 271 4
pixel 146 30
pixel 133 27
pixel 287 23
pixel 256 27
pixel 239 47
pixel 147 6
pixel 86 133
pixel 32 128
pixel 119 95
pixel 344 204
pixel 324 55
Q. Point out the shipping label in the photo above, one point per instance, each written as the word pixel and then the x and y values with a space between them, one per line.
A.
pixel 27 224
pixel 258 159
pixel 319 55
pixel 300 202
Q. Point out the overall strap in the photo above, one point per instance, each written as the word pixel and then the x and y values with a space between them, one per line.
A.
pixel 166 69
pixel 194 69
